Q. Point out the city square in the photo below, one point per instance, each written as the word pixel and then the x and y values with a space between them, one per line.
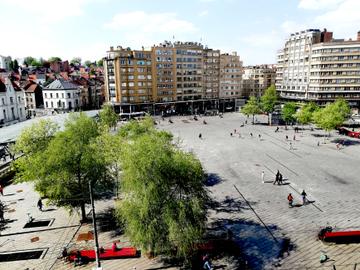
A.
pixel 328 175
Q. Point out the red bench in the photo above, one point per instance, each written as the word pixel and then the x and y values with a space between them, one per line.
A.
pixel 126 252
pixel 328 235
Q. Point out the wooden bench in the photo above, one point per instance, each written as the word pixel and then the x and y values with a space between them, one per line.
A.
pixel 341 237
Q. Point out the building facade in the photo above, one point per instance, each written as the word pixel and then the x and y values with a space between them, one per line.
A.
pixel 230 76
pixel 185 75
pixel 5 62
pixel 314 66
pixel 61 95
pixel 12 102
pixel 33 97
pixel 256 79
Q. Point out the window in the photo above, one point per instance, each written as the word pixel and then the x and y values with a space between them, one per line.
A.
pixel 11 100
pixel 52 104
pixel 69 96
pixel 62 95
pixel 21 115
pixel 57 95
pixel 3 101
pixel 46 104
pixel 51 96
pixel 4 112
pixel 19 99
pixel 45 95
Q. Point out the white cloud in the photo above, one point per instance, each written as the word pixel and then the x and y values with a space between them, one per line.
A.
pixel 140 21
pixel 319 4
pixel 291 27
pixel 263 40
pixel 203 13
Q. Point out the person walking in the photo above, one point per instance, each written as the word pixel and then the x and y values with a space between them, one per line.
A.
pixel 40 204
pixel 231 134
pixel 303 195
pixel 200 136
pixel 290 199
pixel 280 179
pixel 291 146
pixel 276 178
pixel 251 135
pixel 263 176
pixel 286 137
pixel 294 138
pixel 259 136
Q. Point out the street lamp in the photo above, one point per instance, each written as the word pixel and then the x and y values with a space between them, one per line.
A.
pixel 97 253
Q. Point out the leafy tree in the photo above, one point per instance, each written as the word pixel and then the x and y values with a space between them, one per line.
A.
pixel 88 63
pixel 108 117
pixel 100 63
pixel 269 100
pixel 252 107
pixel 62 163
pixel 305 114
pixel 288 112
pixel 15 65
pixel 332 116
pixel 76 61
pixel 54 59
pixel 28 60
pixel 164 197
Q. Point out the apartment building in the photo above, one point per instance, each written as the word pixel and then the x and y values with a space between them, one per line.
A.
pixel 164 86
pixel 128 76
pixel 189 70
pixel 256 79
pixel 315 66
pixel 185 75
pixel 230 76
pixel 211 67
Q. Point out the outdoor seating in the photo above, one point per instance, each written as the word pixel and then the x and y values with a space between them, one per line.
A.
pixel 126 252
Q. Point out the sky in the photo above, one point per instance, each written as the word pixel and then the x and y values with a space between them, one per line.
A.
pixel 256 29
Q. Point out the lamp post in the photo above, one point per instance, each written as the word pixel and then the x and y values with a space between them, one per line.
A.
pixel 97 253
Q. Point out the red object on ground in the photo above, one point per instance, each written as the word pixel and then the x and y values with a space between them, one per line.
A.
pixel 126 252
pixel 341 237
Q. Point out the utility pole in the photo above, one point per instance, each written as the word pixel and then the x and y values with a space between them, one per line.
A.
pixel 97 253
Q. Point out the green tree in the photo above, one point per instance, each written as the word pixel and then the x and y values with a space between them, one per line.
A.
pixel 15 66
pixel 54 59
pixel 76 61
pixel 163 209
pixel 108 117
pixel 269 100
pixel 63 166
pixel 100 63
pixel 28 60
pixel 305 114
pixel 252 107
pixel 88 63
pixel 288 112
pixel 332 116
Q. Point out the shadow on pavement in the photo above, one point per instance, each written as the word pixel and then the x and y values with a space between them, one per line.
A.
pixel 229 205
pixel 106 222
pixel 257 245
pixel 212 179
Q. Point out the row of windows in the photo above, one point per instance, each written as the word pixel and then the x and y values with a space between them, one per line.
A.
pixel 189 52
pixel 60 104
pixel 336 73
pixel 139 77
pixel 11 100
pixel 50 95
pixel 335 81
pixel 132 92
pixel 337 50
pixel 336 58
pixel 335 88
pixel 128 61
pixel 132 84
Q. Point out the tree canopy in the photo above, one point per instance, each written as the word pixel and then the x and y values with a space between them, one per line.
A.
pixel 305 114
pixel 269 99
pixel 164 197
pixel 54 59
pixel 252 107
pixel 62 163
pixel 288 112
pixel 76 61
pixel 333 115
pixel 100 63
pixel 108 117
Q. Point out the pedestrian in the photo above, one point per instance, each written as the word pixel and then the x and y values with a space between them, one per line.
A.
pixel 291 146
pixel 338 146
pixel 260 136
pixel 2 215
pixel 1 190
pixel 280 182
pixel 231 134
pixel 251 135
pixel 245 122
pixel 40 204
pixel 303 195
pixel 235 131
pixel 263 176
pixel 200 136
pixel 277 178
pixel 286 137
pixel 290 199
pixel 294 138
pixel 318 143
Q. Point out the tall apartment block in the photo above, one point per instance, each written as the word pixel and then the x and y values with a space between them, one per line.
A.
pixel 256 79
pixel 230 75
pixel 128 76
pixel 315 66
pixel 183 74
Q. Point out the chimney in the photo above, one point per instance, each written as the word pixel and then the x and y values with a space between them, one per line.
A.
pixel 358 36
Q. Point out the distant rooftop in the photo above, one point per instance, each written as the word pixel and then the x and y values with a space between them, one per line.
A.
pixel 61 84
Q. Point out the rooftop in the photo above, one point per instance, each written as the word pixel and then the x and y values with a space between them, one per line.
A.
pixel 61 84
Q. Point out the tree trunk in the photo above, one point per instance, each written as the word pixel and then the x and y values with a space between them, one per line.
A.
pixel 83 212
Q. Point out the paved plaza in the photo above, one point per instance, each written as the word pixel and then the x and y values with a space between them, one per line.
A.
pixel 258 213
pixel 270 233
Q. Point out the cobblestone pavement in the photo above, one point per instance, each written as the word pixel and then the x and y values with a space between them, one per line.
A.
pixel 271 234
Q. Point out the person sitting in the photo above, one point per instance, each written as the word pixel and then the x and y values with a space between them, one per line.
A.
pixel 114 247
pixel 78 259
